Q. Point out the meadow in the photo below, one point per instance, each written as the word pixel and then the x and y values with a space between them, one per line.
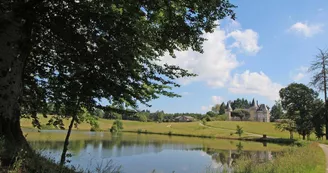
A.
pixel 307 159
pixel 214 129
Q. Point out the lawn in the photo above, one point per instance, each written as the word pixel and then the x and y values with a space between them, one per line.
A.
pixel 225 129
pixel 183 128
pixel 251 127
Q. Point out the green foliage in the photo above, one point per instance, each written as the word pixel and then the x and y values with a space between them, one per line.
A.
pixel 223 117
pixel 287 125
pixel 240 104
pixel 222 108
pixel 204 121
pixel 143 118
pixel 318 111
pixel 68 66
pixel 298 100
pixel 239 130
pixel 276 111
pixel 159 116
pixel 117 126
pixel 211 114
pixel 241 113
pixel 207 118
pixel 216 108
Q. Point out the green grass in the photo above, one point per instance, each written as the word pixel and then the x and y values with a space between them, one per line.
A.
pixel 213 129
pixel 254 127
pixel 192 128
pixel 307 159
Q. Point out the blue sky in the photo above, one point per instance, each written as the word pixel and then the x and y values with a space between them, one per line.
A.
pixel 270 45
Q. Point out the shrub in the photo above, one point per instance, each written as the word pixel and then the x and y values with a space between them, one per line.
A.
pixel 95 129
pixel 142 118
pixel 239 130
pixel 139 131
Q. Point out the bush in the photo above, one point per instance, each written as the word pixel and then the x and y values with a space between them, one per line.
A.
pixel 95 129
pixel 117 126
pixel 222 117
pixel 139 131
pixel 142 118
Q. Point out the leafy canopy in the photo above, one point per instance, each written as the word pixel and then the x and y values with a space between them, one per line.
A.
pixel 81 51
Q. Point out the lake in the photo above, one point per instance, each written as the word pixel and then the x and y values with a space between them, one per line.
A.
pixel 143 153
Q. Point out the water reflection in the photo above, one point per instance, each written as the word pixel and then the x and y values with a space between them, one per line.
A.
pixel 137 153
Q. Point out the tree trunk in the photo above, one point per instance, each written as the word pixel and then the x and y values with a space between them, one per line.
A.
pixel 325 89
pixel 303 135
pixel 13 53
pixel 65 148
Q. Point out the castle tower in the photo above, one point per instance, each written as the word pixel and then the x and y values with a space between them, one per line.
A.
pixel 229 110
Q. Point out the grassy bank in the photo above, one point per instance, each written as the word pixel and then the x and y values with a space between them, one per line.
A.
pixel 216 129
pixel 253 131
pixel 307 159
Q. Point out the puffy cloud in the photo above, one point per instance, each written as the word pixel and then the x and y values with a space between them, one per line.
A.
pixel 255 83
pixel 305 29
pixel 299 73
pixel 216 63
pixel 213 66
pixel 217 99
pixel 246 41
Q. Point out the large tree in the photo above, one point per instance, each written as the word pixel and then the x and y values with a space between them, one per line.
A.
pixel 298 100
pixel 222 108
pixel 74 52
pixel 319 67
pixel 276 111
pixel 241 113
pixel 216 108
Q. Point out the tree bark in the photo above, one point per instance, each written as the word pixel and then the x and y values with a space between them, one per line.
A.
pixel 303 135
pixel 325 92
pixel 13 53
pixel 15 47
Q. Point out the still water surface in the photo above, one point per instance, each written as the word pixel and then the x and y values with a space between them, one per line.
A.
pixel 141 153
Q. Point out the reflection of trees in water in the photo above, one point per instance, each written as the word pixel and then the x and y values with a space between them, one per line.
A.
pixel 229 157
pixel 117 145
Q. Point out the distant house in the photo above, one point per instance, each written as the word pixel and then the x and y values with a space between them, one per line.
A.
pixel 257 112
pixel 184 119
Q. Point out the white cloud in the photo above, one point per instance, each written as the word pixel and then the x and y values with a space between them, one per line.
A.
pixel 216 63
pixel 213 66
pixel 206 108
pixel 320 9
pixel 299 73
pixel 246 41
pixel 217 99
pixel 305 29
pixel 255 83
pixel 298 76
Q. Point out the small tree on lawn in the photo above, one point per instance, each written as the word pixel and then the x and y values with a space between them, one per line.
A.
pixel 287 125
pixel 117 126
pixel 239 130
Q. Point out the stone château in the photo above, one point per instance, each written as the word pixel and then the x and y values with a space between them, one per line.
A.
pixel 257 112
